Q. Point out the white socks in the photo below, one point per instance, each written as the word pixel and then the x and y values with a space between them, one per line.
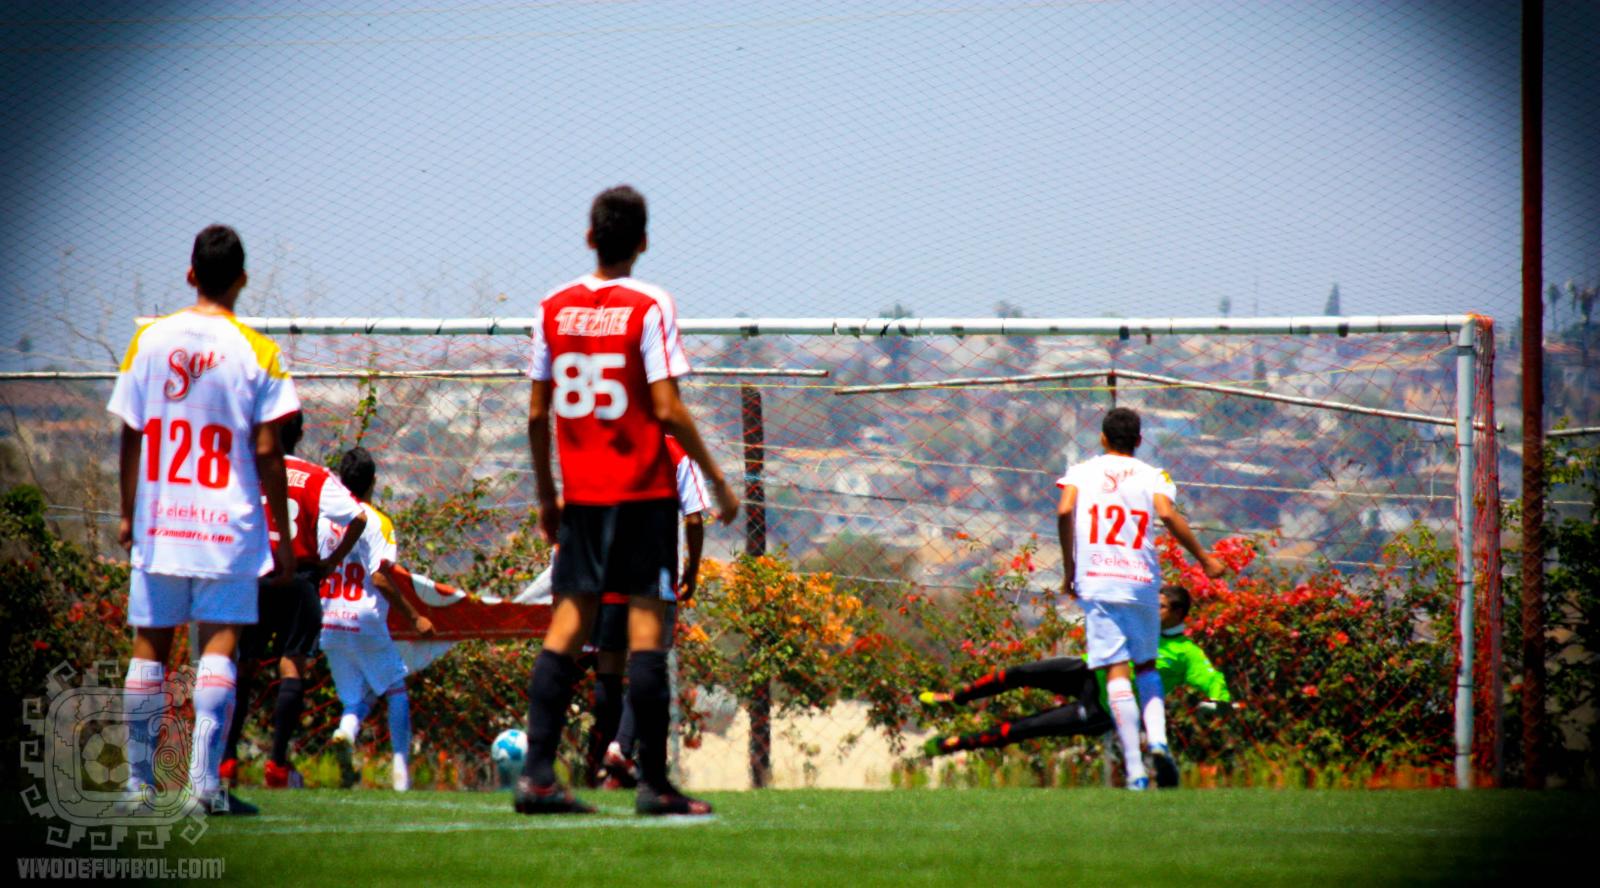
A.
pixel 349 727
pixel 1125 713
pixel 1153 705
pixel 400 736
pixel 214 688
pixel 144 705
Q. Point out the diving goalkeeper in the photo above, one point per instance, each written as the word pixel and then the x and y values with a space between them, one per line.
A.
pixel 1178 659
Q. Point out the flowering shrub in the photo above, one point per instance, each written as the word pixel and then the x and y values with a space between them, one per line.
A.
pixel 757 627
pixel 1330 675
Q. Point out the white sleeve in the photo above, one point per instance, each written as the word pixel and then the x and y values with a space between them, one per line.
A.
pixel 1072 478
pixel 660 345
pixel 336 504
pixel 127 396
pixel 692 496
pixel 127 399
pixel 276 397
pixel 375 547
pixel 538 349
pixel 1162 483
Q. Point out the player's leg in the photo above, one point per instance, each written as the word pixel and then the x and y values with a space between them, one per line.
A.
pixel 350 686
pixel 157 604
pixel 651 577
pixel 253 641
pixel 386 669
pixel 555 672
pixel 1073 719
pixel 220 608
pixel 299 624
pixel 1058 675
pixel 621 772
pixel 611 639
pixel 1108 649
pixel 1144 635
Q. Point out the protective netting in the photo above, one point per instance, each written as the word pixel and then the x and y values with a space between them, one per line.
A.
pixel 911 535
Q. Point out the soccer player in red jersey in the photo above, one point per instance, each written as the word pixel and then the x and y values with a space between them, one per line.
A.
pixel 290 614
pixel 605 358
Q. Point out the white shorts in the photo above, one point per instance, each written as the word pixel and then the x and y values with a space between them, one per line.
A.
pixel 365 668
pixel 160 601
pixel 1121 631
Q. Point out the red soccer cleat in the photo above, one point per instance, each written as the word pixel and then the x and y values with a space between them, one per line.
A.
pixel 228 771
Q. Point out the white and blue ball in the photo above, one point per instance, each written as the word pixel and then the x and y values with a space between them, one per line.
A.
pixel 507 753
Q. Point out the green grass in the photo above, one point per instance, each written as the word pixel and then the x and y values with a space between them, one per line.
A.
pixel 928 837
pixel 933 837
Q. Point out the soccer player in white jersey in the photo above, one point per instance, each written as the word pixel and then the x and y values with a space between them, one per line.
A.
pixel 356 599
pixel 199 395
pixel 1109 562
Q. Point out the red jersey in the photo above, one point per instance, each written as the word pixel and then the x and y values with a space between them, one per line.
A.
pixel 601 343
pixel 313 493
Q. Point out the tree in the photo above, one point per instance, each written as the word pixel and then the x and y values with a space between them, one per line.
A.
pixel 1333 309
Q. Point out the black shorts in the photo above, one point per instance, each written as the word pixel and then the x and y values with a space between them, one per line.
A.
pixel 631 548
pixel 611 627
pixel 288 621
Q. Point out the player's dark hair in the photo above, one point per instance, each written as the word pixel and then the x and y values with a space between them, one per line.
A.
pixel 617 218
pixel 1178 598
pixel 290 430
pixel 357 471
pixel 1121 428
pixel 217 259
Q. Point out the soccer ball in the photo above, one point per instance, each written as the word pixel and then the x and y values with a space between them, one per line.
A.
pixel 507 752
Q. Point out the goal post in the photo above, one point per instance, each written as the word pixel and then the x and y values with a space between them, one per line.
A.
pixel 934 437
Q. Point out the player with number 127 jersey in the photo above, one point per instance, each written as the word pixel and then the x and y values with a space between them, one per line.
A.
pixel 601 343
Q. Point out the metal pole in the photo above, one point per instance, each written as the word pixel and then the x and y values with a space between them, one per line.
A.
pixel 1466 390
pixel 1533 481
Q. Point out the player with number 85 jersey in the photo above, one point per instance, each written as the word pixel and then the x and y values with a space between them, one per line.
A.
pixel 601 343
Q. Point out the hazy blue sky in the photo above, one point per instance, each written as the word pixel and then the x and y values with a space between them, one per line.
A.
pixel 1074 159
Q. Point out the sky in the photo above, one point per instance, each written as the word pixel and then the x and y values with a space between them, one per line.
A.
pixel 1073 159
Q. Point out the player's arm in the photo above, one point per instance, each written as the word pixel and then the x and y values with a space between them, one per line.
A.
pixel 128 479
pixel 1178 526
pixel 694 537
pixel 675 419
pixel 352 535
pixel 1201 675
pixel 1067 533
pixel 386 588
pixel 544 479
pixel 275 484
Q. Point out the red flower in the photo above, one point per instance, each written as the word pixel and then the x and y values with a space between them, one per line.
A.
pixel 41 645
pixel 1310 691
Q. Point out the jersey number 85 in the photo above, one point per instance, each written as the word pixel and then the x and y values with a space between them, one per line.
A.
pixel 580 382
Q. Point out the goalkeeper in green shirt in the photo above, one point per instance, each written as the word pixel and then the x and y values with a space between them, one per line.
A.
pixel 1179 660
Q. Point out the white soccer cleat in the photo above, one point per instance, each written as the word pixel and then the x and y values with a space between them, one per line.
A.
pixel 402 774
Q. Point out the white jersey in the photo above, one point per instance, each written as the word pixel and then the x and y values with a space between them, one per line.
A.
pixel 1113 525
pixel 196 385
pixel 352 606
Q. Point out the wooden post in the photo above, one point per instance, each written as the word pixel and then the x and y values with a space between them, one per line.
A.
pixel 755 543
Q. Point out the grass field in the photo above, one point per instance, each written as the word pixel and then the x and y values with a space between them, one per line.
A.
pixel 931 837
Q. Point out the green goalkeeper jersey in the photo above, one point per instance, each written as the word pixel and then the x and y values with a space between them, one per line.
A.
pixel 1181 662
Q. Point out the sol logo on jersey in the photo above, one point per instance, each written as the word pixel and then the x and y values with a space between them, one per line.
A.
pixel 187 368
pixel 1115 479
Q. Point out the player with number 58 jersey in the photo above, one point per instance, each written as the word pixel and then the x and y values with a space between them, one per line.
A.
pixel 601 343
